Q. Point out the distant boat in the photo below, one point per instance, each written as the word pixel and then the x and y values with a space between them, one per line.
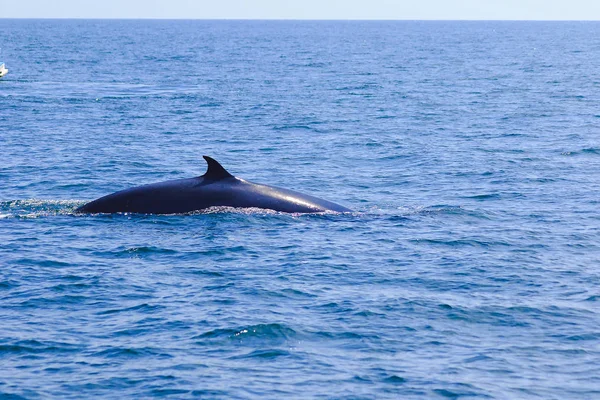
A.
pixel 3 70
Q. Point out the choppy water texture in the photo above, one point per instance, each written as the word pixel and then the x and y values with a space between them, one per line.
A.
pixel 469 151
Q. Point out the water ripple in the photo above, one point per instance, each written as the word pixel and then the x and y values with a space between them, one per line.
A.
pixel 468 149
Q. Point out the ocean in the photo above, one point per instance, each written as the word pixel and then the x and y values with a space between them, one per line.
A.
pixel 469 152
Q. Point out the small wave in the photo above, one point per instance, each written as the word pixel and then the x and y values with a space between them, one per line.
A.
pixel 405 211
pixel 141 308
pixel 129 353
pixel 442 209
pixel 8 284
pixel 204 272
pixel 339 335
pixel 395 380
pixel 294 293
pixel 34 208
pixel 292 127
pixel 268 354
pixel 483 197
pixel 460 243
pixel 169 392
pixel 36 347
pixel 43 263
pixel 139 252
pixel 151 249
pixel 235 210
pixel 591 150
pixel 11 396
pixel 455 394
pixel 585 151
pixel 62 302
pixel 260 332
pixel 259 212
pixel 401 213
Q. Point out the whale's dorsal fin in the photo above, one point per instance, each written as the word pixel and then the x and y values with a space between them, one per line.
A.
pixel 215 171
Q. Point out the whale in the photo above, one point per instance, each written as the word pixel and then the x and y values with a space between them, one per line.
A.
pixel 216 188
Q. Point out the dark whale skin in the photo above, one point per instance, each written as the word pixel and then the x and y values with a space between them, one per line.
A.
pixel 216 188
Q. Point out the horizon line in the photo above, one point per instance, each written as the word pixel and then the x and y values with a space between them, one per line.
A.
pixel 299 19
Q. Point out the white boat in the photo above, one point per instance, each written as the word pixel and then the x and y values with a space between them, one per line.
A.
pixel 3 70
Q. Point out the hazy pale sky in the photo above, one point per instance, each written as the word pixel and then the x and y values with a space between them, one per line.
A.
pixel 306 9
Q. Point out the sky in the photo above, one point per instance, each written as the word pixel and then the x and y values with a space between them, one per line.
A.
pixel 307 9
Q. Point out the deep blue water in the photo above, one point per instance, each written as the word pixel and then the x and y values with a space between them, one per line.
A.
pixel 470 152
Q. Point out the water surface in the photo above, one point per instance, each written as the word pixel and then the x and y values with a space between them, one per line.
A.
pixel 469 151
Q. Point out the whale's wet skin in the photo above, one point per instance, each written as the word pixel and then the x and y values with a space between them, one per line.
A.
pixel 215 188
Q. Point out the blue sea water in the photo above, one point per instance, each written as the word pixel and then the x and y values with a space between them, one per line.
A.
pixel 470 152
